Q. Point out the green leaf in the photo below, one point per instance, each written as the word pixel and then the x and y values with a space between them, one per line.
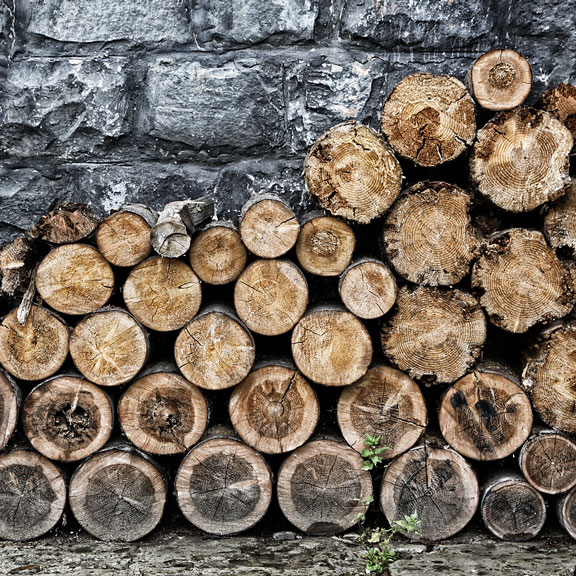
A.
pixel 368 465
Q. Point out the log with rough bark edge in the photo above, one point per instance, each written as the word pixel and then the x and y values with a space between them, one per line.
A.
pixel 521 281
pixel 566 511
pixel 33 495
pixel 274 409
pixel 75 279
pixel 485 416
pixel 109 347
pixel 217 253
pixel 162 293
pixel 223 486
pixel 520 159
pixel 10 401
pixel 68 223
pixel 500 80
pixel 325 244
pixel 560 221
pixel 436 483
pixel 163 413
pixel 511 508
pixel 321 486
pixel 428 236
pixel 35 350
pixel 384 402
pixel 331 346
pixel 429 119
pixel 548 461
pixel 352 172
pixel 18 261
pixel 560 101
pixel 67 418
pixel 270 296
pixel 434 334
pixel 118 494
pixel 268 226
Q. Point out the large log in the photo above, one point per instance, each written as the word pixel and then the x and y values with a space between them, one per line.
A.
pixel 10 401
pixel 560 101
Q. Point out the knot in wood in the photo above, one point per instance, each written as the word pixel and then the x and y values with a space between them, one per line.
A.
pixel 502 75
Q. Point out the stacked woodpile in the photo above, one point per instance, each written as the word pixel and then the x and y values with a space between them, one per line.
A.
pixel 243 366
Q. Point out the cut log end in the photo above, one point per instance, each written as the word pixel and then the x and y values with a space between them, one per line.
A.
pixel 560 222
pixel 10 397
pixel 567 512
pixel 68 223
pixel 560 101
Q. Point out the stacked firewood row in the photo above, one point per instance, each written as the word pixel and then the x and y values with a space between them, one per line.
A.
pixel 232 364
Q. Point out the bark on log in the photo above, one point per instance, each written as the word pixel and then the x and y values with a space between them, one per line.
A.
pixel 274 409
pixel 331 346
pixel 436 483
pixel 18 262
pixel 35 350
pixel 164 294
pixel 10 401
pixel 428 236
pixel 520 159
pixel 434 335
pixel 566 511
pixel 560 101
pixel 560 221
pixel 521 281
pixel 223 486
pixel 68 223
pixel 320 487
pixel 67 418
pixel 384 402
pixel 429 119
pixel 352 172
pixel 75 279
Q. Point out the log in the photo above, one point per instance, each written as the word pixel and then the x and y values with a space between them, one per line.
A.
pixel 325 245
pixel 68 223
pixel 331 346
pixel 33 495
pixel 384 402
pixel 566 512
pixel 485 416
pixel 163 413
pixel 520 159
pixel 223 486
pixel 521 281
pixel 164 294
pixel 436 483
pixel 560 222
pixel 560 101
pixel 118 494
pixel 548 461
pixel 274 409
pixel 35 350
pixel 429 119
pixel 434 334
pixel 75 279
pixel 10 401
pixel 270 296
pixel 428 236
pixel 18 262
pixel 500 80
pixel 268 226
pixel 511 508
pixel 352 172
pixel 217 253
pixel 321 486
pixel 67 418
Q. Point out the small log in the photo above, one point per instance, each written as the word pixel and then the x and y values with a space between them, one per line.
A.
pixel 548 461
pixel 270 296
pixel 67 418
pixel 118 494
pixel 384 402
pixel 560 222
pixel 511 508
pixel 325 245
pixel 428 236
pixel 274 409
pixel 433 334
pixel 10 401
pixel 321 486
pixel 217 253
pixel 500 80
pixel 352 172
pixel 521 281
pixel 33 495
pixel 566 511
pixel 520 159
pixel 436 483
pixel 268 226
pixel 69 223
pixel 164 294
pixel 163 413
pixel 109 347
pixel 18 262
pixel 429 119
pixel 331 346
pixel 560 101
pixel 223 486
pixel 367 288
pixel 75 279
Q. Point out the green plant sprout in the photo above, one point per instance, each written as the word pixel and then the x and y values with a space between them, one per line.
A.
pixel 371 454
